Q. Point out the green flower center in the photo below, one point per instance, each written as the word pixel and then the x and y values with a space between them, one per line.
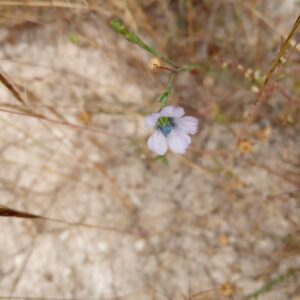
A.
pixel 165 125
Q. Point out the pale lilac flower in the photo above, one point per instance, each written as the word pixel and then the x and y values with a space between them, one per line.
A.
pixel 172 130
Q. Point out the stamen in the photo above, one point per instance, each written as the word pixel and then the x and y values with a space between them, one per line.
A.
pixel 166 130
pixel 165 125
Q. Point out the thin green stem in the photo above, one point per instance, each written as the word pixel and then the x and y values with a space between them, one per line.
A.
pixel 163 99
pixel 271 284
pixel 120 28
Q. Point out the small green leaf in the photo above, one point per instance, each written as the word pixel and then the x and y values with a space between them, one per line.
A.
pixel 163 99
pixel 219 117
pixel 119 27
pixel 74 38
pixel 163 159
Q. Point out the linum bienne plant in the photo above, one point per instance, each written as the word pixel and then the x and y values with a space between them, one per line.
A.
pixel 171 128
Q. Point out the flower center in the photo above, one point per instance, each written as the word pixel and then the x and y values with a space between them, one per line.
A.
pixel 165 125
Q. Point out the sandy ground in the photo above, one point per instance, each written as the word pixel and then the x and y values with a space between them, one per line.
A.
pixel 186 230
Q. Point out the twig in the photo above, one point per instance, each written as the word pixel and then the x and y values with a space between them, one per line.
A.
pixel 11 88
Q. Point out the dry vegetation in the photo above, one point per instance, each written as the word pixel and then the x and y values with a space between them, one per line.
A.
pixel 87 212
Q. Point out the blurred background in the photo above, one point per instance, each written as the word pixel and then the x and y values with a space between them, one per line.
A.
pixel 221 222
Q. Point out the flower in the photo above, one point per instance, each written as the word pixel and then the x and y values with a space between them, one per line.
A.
pixel 172 129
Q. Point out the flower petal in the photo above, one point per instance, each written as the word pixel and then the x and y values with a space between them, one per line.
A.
pixel 172 111
pixel 187 124
pixel 158 143
pixel 178 142
pixel 151 120
pixel 185 136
